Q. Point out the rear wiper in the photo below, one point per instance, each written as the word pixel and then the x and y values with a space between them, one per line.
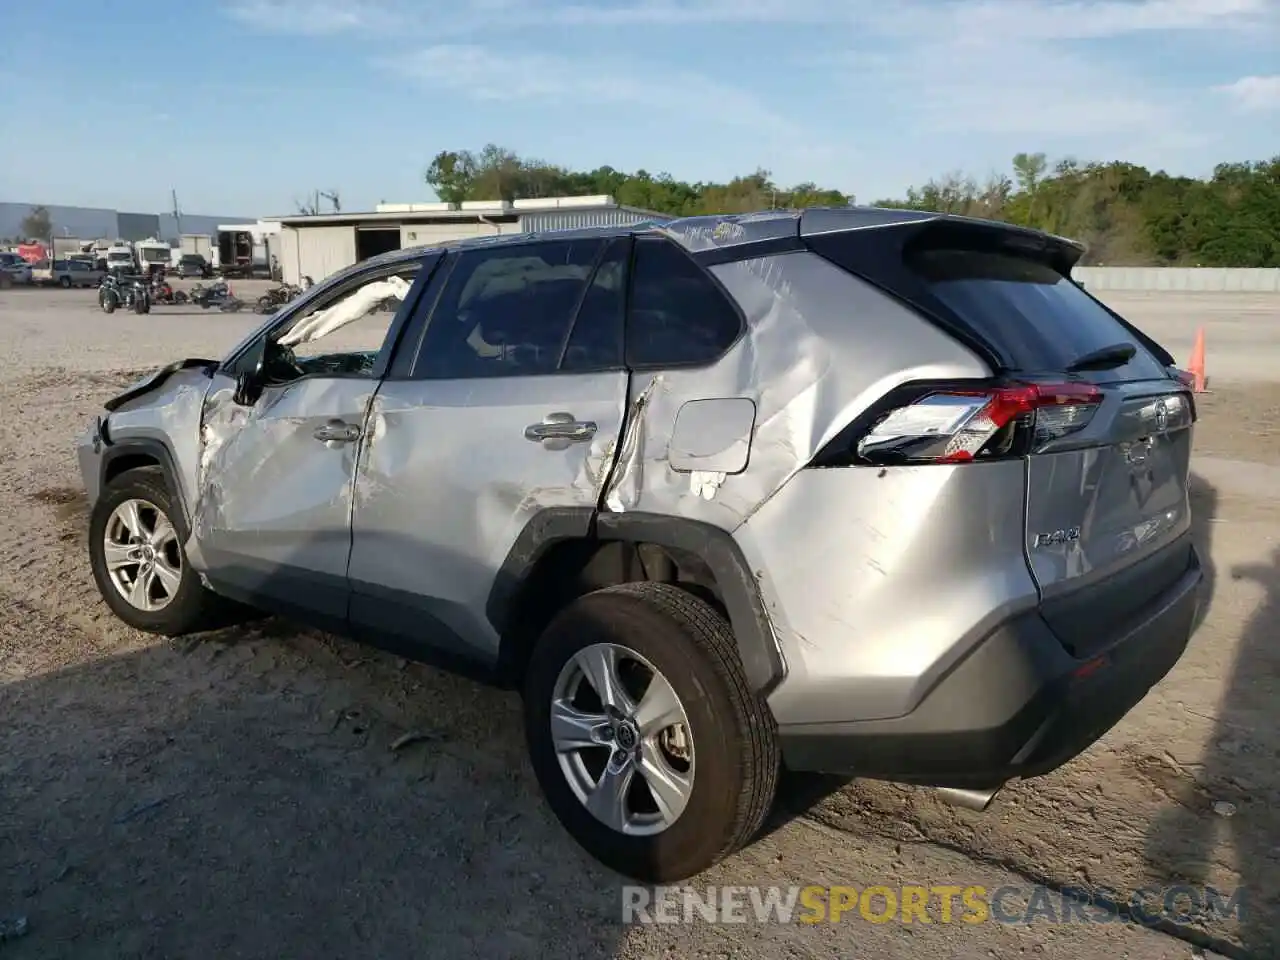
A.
pixel 1104 358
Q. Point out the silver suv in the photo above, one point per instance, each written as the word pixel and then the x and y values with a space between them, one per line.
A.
pixel 846 490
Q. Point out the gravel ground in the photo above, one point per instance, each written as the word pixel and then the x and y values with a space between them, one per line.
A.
pixel 237 795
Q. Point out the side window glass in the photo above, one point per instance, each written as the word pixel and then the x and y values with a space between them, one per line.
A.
pixel 341 335
pixel 596 340
pixel 506 311
pixel 678 316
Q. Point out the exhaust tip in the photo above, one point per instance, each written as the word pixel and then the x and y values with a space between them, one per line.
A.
pixel 977 800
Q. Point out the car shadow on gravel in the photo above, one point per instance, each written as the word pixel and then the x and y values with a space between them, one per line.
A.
pixel 1234 793
pixel 273 794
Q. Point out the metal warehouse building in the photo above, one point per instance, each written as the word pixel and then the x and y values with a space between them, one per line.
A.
pixel 316 246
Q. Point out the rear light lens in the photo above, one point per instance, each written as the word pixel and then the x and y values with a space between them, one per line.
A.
pixel 962 425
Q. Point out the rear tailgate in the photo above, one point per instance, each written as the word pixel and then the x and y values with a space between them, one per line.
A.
pixel 1107 475
pixel 1107 501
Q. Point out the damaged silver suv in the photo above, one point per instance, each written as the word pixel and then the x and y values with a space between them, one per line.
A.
pixel 851 490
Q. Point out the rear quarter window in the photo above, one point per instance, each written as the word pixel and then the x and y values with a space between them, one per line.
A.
pixel 1030 312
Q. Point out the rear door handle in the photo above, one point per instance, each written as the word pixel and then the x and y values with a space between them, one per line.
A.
pixel 558 430
pixel 337 431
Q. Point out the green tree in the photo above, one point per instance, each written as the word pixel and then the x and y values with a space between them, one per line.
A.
pixel 1127 215
pixel 1124 213
pixel 495 172
pixel 37 224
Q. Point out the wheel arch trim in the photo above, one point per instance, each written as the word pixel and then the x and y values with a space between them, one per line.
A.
pixel 152 449
pixel 753 631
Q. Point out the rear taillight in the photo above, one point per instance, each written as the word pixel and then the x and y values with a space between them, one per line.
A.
pixel 958 424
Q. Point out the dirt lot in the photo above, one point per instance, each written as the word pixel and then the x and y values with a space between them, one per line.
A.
pixel 236 795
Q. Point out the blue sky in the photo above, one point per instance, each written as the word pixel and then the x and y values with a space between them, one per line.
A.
pixel 247 105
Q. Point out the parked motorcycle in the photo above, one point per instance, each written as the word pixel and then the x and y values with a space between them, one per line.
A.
pixel 216 295
pixel 124 291
pixel 162 292
pixel 274 299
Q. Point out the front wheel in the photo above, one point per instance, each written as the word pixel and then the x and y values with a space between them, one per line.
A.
pixel 646 738
pixel 64 282
pixel 108 299
pixel 136 536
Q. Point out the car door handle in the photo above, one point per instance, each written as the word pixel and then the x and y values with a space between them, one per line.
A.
pixel 562 427
pixel 337 431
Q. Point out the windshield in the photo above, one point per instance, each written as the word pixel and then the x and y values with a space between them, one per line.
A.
pixel 154 254
pixel 119 257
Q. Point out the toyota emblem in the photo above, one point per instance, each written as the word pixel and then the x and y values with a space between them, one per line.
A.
pixel 1162 416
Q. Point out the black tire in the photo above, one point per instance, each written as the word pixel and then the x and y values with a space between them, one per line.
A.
pixel 193 607
pixel 734 736
pixel 179 297
pixel 139 304
pixel 109 301
pixel 64 282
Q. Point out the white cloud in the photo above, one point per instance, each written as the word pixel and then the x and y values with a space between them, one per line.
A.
pixel 315 18
pixel 1043 20
pixel 499 74
pixel 1254 94
pixel 1008 19
pixel 1030 72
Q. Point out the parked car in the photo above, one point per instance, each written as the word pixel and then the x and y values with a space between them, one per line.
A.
pixel 15 269
pixel 194 265
pixel 67 273
pixel 851 490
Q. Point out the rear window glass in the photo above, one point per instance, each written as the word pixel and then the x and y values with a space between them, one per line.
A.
pixel 1041 320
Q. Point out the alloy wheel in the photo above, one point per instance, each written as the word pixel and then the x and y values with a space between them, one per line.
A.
pixel 622 739
pixel 142 555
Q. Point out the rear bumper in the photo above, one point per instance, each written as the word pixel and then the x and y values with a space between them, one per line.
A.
pixel 1019 706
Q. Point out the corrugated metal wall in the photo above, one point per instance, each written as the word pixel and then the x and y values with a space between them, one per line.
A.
pixel 93 223
pixel 1179 279
pixel 425 234
pixel 290 260
pixel 323 250
pixel 570 219
pixel 138 226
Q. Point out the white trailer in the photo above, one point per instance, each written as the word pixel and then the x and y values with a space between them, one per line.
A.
pixel 151 253
pixel 243 249
pixel 197 243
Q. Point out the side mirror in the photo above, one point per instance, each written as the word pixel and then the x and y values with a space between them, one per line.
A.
pixel 251 375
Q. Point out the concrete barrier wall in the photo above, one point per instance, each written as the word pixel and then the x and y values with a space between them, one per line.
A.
pixel 1179 279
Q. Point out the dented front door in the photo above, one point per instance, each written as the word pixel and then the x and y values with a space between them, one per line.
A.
pixel 274 516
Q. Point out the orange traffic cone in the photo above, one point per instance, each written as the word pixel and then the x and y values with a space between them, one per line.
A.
pixel 1196 366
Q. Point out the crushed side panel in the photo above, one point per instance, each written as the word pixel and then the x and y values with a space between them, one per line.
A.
pixel 170 414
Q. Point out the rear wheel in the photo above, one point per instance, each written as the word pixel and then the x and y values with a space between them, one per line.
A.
pixel 648 742
pixel 136 536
